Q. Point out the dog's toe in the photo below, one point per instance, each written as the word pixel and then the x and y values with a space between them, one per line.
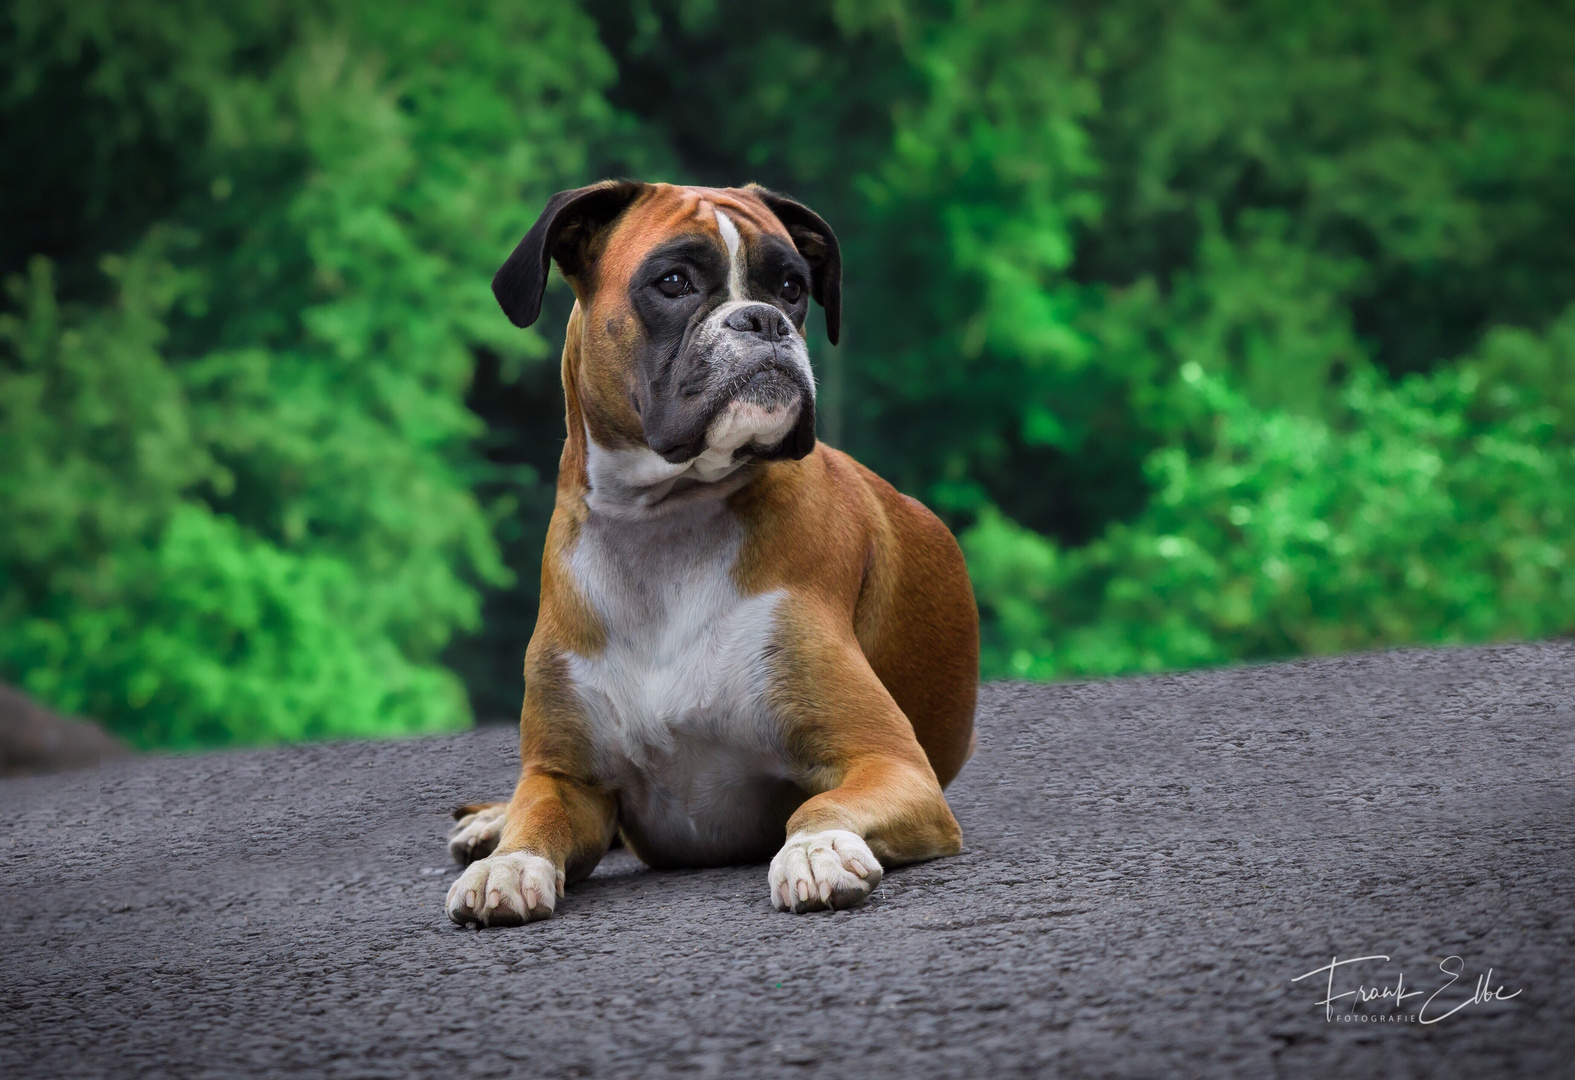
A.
pixel 817 870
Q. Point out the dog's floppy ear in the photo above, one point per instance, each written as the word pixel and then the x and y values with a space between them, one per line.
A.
pixel 818 244
pixel 563 232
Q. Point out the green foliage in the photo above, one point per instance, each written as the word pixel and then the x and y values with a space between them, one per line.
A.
pixel 238 483
pixel 1437 510
pixel 1217 330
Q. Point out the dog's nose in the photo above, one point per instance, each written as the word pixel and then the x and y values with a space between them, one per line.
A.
pixel 760 320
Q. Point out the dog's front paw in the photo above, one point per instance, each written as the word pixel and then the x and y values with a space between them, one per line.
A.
pixel 476 835
pixel 815 870
pixel 505 890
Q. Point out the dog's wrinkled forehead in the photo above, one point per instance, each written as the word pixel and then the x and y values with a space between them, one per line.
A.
pixel 727 218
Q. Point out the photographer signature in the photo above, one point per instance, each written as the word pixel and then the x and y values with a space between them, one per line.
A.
pixel 1429 1013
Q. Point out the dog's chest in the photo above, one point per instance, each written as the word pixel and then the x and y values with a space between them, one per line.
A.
pixel 677 700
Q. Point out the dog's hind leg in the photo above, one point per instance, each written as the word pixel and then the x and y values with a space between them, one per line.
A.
pixel 476 831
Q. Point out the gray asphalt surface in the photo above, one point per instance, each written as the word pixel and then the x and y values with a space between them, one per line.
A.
pixel 1149 863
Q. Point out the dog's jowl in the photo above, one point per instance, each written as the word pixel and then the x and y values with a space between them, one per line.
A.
pixel 750 647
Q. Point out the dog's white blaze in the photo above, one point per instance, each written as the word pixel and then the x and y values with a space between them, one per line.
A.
pixel 735 255
pixel 676 699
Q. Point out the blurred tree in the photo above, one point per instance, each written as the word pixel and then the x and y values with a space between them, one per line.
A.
pixel 1437 511
pixel 248 248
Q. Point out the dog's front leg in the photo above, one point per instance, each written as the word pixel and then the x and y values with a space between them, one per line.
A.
pixel 883 805
pixel 555 830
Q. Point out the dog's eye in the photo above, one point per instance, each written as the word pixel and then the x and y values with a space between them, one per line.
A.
pixel 675 285
pixel 791 291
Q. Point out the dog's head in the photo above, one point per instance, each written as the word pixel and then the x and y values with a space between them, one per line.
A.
pixel 692 304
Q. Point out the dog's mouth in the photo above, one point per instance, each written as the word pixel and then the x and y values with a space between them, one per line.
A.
pixel 769 387
pixel 763 408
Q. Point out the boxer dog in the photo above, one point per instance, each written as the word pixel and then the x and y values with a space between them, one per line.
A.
pixel 749 645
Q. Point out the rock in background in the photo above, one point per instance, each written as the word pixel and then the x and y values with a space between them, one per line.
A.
pixel 35 740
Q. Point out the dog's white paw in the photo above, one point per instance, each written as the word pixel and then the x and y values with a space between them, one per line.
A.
pixel 476 835
pixel 830 869
pixel 505 890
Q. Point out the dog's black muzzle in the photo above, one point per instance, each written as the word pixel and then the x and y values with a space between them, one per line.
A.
pixel 753 356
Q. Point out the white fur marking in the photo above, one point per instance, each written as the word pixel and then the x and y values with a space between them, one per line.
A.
pixel 735 254
pixel 676 699
pixel 638 483
pixel 475 835
pixel 743 422
pixel 834 868
pixel 505 890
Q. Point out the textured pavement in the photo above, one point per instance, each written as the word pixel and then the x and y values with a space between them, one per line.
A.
pixel 1149 863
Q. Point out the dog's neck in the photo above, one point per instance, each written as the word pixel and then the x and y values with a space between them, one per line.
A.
pixel 639 484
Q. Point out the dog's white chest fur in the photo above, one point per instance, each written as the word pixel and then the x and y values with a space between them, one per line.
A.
pixel 676 700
